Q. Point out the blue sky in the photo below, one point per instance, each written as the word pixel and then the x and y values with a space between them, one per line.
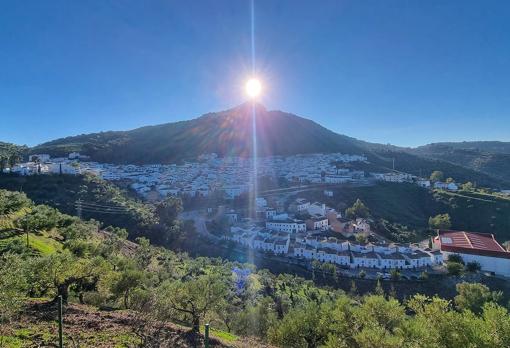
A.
pixel 400 72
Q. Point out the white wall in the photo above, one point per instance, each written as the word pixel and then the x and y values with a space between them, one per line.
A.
pixel 498 265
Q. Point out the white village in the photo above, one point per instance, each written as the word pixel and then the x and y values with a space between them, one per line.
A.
pixel 303 230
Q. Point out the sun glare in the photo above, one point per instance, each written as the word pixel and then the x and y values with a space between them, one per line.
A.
pixel 253 88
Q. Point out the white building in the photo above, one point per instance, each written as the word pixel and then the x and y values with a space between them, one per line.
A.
pixel 289 225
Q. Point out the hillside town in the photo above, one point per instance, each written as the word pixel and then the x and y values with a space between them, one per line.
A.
pixel 231 175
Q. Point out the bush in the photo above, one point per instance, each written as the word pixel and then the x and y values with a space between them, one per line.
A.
pixel 95 298
pixel 473 267
pixel 455 258
pixel 454 268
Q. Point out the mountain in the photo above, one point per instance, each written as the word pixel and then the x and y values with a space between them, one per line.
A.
pixel 230 132
pixel 225 133
pixel 489 157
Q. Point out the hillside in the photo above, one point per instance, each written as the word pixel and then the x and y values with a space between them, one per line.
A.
pixel 225 133
pixel 411 206
pixel 230 133
pixel 489 157
pixel 153 297
pixel 105 202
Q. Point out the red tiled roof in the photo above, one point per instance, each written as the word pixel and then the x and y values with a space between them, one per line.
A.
pixel 470 243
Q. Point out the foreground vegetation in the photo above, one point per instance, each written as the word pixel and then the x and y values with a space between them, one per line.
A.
pixel 102 270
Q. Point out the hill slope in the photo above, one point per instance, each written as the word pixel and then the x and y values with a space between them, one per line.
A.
pixel 490 157
pixel 225 133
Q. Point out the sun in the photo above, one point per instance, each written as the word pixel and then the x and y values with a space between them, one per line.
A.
pixel 253 88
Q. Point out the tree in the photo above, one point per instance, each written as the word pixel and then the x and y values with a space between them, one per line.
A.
pixel 13 285
pixel 42 217
pixel 455 258
pixel 3 162
pixel 378 288
pixel 14 159
pixel 129 280
pixel 256 319
pixel 360 238
pixel 440 221
pixel 168 210
pixel 473 296
pixel 316 265
pixel 11 202
pixel 192 299
pixel 454 268
pixel 395 274
pixel 375 321
pixel 358 210
pixel 473 267
pixel 468 186
pixel 58 272
pixel 328 269
pixel 436 176
pixel 301 327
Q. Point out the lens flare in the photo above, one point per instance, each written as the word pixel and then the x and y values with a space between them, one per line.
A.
pixel 253 88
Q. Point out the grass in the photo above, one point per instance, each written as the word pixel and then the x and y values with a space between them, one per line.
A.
pixel 223 335
pixel 11 342
pixel 42 244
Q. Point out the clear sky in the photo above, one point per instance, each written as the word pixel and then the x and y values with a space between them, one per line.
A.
pixel 400 72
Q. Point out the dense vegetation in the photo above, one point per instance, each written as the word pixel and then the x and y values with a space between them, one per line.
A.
pixel 403 210
pixel 105 271
pixel 106 204
pixel 490 157
pixel 101 200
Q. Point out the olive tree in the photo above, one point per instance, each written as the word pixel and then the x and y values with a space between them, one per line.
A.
pixel 191 299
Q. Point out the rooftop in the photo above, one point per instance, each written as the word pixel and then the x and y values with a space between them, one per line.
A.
pixel 470 243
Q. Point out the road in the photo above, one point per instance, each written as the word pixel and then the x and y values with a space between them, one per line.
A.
pixel 199 220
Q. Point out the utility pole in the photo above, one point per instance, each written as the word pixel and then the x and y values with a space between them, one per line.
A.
pixel 78 208
pixel 393 163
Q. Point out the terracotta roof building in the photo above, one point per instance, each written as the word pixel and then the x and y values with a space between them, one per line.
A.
pixel 474 246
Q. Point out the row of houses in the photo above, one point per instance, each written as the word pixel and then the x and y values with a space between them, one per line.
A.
pixel 399 177
pixel 341 252
pixel 356 255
